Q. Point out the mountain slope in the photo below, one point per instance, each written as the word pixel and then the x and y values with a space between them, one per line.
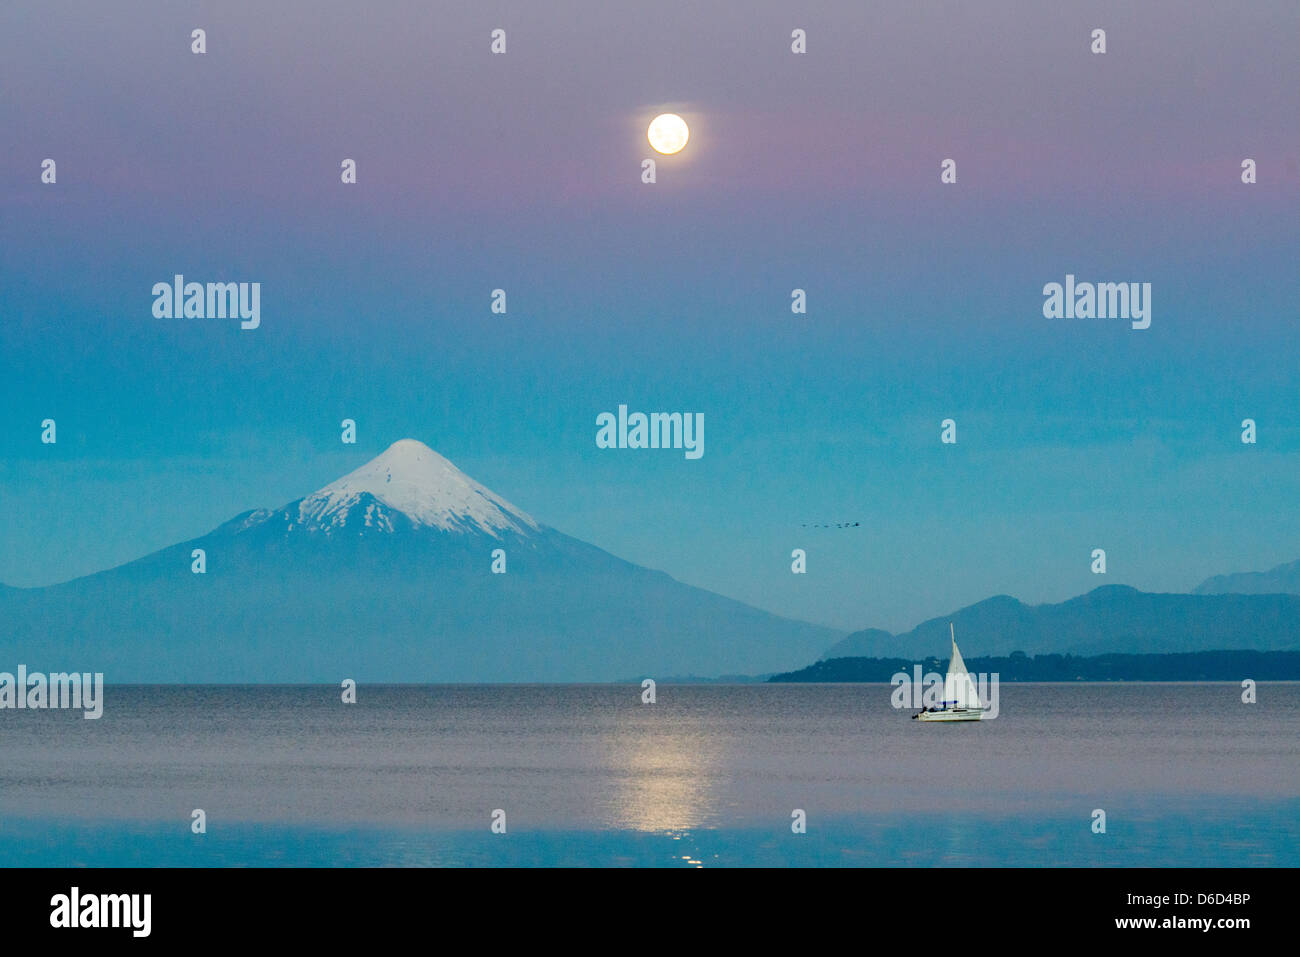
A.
pixel 386 575
pixel 1283 579
pixel 859 644
pixel 1109 619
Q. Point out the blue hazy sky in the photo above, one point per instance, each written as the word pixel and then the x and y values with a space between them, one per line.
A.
pixel 521 171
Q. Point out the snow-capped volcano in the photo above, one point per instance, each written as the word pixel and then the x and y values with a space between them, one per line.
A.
pixel 413 481
pixel 403 570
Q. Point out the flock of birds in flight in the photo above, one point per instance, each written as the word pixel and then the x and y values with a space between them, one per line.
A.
pixel 831 525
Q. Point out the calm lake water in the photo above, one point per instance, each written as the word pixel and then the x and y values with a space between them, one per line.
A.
pixel 709 775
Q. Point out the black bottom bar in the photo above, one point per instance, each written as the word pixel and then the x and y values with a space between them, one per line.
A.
pixel 931 909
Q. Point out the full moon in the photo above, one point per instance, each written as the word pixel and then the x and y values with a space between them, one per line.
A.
pixel 668 133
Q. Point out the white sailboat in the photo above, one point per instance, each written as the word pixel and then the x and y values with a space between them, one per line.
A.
pixel 961 700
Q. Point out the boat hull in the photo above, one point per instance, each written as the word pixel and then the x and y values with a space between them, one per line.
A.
pixel 959 714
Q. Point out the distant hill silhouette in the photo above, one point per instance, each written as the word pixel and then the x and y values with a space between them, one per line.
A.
pixel 1194 666
pixel 1110 619
pixel 1283 579
pixel 860 643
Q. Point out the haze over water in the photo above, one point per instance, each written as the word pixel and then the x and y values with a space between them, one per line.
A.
pixel 1186 773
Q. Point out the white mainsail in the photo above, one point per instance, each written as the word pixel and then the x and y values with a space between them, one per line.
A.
pixel 958 686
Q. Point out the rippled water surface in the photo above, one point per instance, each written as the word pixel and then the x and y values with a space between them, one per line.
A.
pixel 1186 773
